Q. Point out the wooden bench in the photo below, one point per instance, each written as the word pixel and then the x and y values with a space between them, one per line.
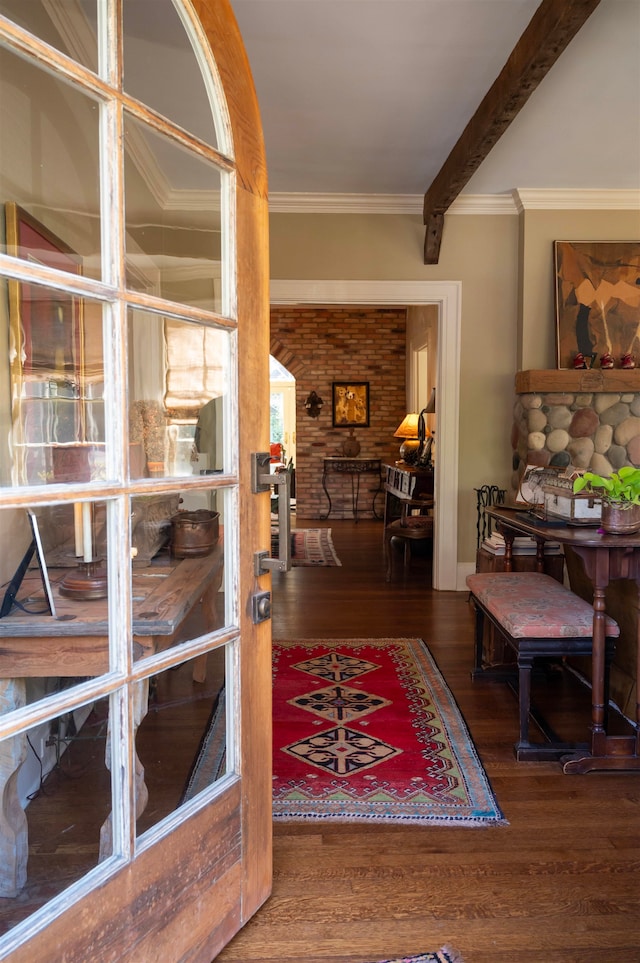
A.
pixel 538 618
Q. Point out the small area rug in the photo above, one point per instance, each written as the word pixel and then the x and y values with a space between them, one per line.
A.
pixel 311 547
pixel 367 730
pixel 445 955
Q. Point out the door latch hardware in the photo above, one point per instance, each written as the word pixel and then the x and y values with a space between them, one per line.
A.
pixel 261 607
pixel 262 481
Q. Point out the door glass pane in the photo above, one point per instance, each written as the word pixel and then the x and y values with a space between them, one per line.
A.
pixel 52 411
pixel 54 596
pixel 182 740
pixel 157 51
pixel 172 209
pixel 68 25
pixel 49 166
pixel 177 569
pixel 56 794
pixel 178 387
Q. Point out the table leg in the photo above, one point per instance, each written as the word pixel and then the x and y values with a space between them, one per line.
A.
pixel 355 495
pixel 637 669
pixel 140 707
pixel 14 839
pixel 324 485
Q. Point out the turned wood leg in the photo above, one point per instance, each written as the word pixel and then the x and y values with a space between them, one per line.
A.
pixel 388 561
pixel 598 734
pixel 211 620
pixel 140 707
pixel 14 840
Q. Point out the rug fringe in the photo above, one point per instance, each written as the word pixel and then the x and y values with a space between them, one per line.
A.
pixel 450 955
pixel 445 954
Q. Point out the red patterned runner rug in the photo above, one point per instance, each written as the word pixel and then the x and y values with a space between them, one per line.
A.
pixel 310 547
pixel 367 730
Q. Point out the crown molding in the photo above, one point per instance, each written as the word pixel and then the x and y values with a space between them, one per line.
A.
pixel 513 202
pixel 577 200
pixel 300 203
pixel 385 204
pixel 483 204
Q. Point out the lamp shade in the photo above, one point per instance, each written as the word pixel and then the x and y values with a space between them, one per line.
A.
pixel 409 427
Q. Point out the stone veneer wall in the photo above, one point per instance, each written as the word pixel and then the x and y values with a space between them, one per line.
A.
pixel 595 430
pixel 320 345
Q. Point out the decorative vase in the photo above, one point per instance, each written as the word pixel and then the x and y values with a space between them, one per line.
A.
pixel 621 518
pixel 351 445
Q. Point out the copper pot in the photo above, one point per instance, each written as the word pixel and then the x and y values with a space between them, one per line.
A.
pixel 194 533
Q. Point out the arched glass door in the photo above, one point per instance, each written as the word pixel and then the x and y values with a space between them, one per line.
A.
pixel 134 777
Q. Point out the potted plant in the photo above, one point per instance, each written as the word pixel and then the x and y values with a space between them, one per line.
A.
pixel 620 495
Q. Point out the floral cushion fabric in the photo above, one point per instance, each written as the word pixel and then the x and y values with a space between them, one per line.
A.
pixel 535 606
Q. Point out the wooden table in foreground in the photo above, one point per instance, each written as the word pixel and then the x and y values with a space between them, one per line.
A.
pixel 75 644
pixel 605 558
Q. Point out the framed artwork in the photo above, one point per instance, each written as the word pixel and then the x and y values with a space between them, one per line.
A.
pixel 350 404
pixel 597 297
pixel 46 325
pixel 48 360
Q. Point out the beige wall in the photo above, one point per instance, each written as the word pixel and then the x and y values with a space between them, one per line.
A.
pixel 482 252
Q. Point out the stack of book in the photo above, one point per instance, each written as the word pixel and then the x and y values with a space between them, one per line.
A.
pixel 522 545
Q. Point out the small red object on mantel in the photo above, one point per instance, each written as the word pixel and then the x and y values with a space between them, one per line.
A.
pixel 579 361
pixel 627 362
pixel 606 360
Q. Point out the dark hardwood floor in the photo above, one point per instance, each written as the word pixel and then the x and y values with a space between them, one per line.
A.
pixel 558 883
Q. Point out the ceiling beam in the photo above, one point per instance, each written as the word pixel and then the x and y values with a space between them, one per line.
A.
pixel 552 27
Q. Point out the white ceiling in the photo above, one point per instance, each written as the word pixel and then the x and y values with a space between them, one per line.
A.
pixel 367 97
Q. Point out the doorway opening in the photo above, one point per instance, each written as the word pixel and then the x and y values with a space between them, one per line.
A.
pixel 446 295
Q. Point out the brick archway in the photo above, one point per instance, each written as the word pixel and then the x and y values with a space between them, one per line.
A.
pixel 287 358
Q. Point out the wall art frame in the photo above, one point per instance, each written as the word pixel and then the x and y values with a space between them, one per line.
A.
pixel 48 352
pixel 46 326
pixel 597 302
pixel 350 404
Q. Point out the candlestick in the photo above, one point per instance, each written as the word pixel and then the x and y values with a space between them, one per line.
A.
pixel 87 532
pixel 78 528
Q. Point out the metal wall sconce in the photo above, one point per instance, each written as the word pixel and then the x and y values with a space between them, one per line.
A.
pixel 313 404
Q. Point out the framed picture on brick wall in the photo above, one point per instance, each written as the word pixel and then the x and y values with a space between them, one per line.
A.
pixel 350 403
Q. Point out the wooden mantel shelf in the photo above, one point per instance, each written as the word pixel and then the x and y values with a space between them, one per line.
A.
pixel 583 379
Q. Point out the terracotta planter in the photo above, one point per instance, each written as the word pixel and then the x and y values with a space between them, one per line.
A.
pixel 620 519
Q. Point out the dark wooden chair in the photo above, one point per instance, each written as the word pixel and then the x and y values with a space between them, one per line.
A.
pixel 409 528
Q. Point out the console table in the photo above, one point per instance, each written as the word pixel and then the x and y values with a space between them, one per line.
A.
pixel 354 467
pixel 412 488
pixel 605 558
pixel 75 643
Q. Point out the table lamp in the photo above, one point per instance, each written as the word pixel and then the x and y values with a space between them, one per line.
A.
pixel 408 431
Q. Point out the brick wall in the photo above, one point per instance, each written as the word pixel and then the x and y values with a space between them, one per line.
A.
pixel 320 346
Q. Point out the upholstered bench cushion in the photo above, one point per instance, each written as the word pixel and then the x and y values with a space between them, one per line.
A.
pixel 535 606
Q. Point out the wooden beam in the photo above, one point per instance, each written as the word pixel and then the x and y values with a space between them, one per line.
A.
pixel 552 27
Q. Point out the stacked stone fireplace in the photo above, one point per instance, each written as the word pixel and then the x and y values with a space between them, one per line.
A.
pixel 587 418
